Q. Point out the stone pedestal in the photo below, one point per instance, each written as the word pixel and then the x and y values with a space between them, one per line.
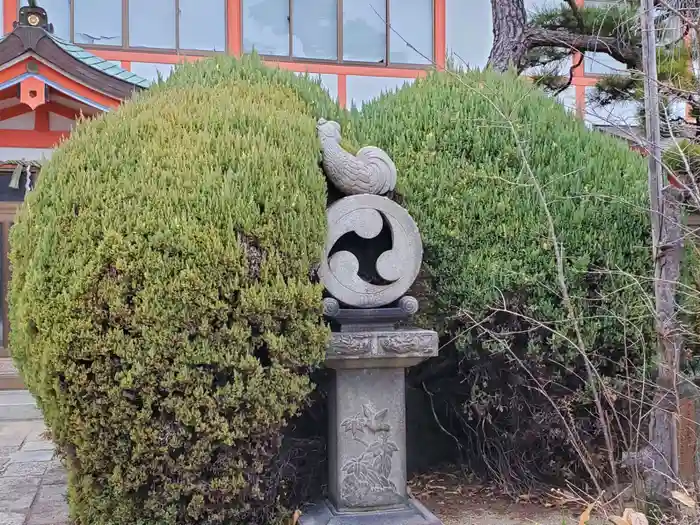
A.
pixel 367 435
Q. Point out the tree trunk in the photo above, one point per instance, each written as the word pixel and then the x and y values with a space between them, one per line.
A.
pixel 509 34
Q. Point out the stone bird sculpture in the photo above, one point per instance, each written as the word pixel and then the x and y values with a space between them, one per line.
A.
pixel 370 171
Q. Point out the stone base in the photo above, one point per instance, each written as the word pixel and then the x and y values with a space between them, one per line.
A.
pixel 412 514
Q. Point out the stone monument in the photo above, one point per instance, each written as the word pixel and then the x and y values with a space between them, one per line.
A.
pixel 372 257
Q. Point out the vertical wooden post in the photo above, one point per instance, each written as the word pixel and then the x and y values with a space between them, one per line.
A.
pixel 439 34
pixel 666 217
pixel 687 432
pixel 4 251
pixel 580 101
pixel 343 90
pixel 234 28
pixel 696 420
pixel 42 121
pixel 9 14
pixel 578 74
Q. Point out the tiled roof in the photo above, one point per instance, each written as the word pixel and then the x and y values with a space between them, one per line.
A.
pixel 100 64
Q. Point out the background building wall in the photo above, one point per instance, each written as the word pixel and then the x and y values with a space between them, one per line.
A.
pixel 351 47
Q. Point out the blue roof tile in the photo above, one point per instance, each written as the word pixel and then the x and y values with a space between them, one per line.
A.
pixel 100 64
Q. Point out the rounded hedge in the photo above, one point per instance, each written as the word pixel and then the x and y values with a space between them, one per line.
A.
pixel 468 148
pixel 161 303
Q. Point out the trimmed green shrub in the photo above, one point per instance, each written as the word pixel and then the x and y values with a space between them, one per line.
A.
pixel 469 148
pixel 161 303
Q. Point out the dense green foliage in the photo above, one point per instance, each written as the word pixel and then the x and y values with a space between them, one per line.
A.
pixel 473 152
pixel 161 303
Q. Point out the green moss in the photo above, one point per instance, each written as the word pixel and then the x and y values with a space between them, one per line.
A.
pixel 161 304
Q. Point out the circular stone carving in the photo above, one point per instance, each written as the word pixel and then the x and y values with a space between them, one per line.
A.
pixel 409 304
pixel 366 215
pixel 331 307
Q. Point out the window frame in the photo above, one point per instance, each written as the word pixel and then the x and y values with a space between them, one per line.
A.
pixel 126 46
pixel 290 57
pixel 228 45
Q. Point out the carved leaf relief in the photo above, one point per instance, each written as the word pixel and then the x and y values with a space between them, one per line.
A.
pixel 409 343
pixel 351 345
pixel 366 476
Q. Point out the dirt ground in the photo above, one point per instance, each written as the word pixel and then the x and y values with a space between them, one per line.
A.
pixel 458 503
pixel 502 513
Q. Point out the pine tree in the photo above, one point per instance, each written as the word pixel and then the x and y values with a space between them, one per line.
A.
pixel 564 29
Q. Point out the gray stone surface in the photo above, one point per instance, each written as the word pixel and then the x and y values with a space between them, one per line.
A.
pixel 371 171
pixel 367 435
pixel 30 468
pixel 50 507
pixel 381 349
pixel 411 513
pixel 55 474
pixel 17 494
pixel 368 442
pixel 18 405
pixel 12 518
pixel 398 266
pixel 32 481
pixel 25 456
pixel 38 446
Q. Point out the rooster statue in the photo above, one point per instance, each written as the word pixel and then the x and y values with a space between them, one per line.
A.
pixel 370 171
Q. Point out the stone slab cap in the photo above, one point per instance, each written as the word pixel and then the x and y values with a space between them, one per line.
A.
pixel 390 349
pixel 412 514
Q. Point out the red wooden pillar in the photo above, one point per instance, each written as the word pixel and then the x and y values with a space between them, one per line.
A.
pixel 234 28
pixel 439 34
pixel 9 14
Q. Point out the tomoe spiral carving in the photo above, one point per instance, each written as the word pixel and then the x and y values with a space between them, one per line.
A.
pixel 366 215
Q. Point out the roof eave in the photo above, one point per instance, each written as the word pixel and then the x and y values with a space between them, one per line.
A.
pixel 36 40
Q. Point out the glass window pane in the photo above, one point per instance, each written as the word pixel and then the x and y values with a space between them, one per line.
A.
pixel 315 29
pixel 98 22
pixel 364 89
pixel 152 23
pixel 150 70
pixel 535 6
pixel 328 81
pixel 603 64
pixel 411 21
pixel 203 25
pixel 266 27
pixel 469 32
pixel 560 67
pixel 567 98
pixel 364 30
pixel 59 16
pixel 619 114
